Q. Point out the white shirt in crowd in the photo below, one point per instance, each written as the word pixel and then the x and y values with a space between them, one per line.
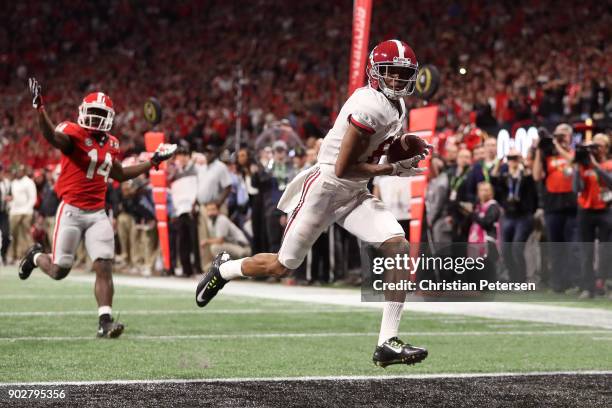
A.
pixel 213 178
pixel 395 193
pixel 183 190
pixel 225 228
pixel 23 191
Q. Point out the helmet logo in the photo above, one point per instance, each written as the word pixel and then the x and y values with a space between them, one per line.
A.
pixel 402 60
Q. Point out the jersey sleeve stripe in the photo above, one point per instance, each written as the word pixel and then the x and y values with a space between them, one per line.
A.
pixel 361 126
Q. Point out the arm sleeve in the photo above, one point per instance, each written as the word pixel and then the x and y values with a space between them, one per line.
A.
pixel 32 195
pixel 226 178
pixel 606 177
pixel 67 128
pixel 368 113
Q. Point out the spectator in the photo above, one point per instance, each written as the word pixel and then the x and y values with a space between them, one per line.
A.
pixel 552 165
pixel 450 154
pixel 22 200
pixel 435 203
pixel 225 235
pixel 484 233
pixel 300 160
pixel 246 168
pixel 482 168
pixel 594 213
pixel 395 193
pixel 518 197
pixel 272 181
pixel 214 184
pixel 49 202
pixel 238 200
pixel 125 225
pixel 5 232
pixel 182 177
pixel 145 241
pixel 458 211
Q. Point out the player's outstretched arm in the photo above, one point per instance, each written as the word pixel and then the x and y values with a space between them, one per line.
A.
pixel 56 139
pixel 120 173
pixel 354 144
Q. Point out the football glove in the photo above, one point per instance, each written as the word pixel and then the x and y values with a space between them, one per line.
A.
pixel 407 167
pixel 36 91
pixel 164 152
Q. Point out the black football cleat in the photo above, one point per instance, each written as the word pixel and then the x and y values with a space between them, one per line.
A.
pixel 395 351
pixel 110 329
pixel 26 265
pixel 212 282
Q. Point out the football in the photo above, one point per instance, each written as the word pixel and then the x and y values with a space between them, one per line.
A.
pixel 405 147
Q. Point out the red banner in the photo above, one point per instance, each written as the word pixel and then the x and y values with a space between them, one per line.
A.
pixel 423 124
pixel 362 14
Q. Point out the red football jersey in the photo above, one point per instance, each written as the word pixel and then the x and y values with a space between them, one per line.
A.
pixel 84 172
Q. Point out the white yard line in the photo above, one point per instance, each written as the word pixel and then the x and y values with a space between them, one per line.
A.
pixel 531 312
pixel 89 296
pixel 93 312
pixel 197 311
pixel 247 336
pixel 517 325
pixel 308 378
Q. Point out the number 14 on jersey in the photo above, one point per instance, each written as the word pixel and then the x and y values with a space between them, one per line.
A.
pixel 104 168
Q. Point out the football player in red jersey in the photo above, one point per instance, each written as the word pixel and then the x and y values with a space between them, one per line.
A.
pixel 89 158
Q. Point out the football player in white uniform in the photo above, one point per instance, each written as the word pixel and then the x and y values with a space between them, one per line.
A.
pixel 335 190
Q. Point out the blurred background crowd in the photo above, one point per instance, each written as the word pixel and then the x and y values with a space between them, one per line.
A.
pixel 504 65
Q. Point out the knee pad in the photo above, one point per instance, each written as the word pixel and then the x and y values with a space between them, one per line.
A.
pixel 64 261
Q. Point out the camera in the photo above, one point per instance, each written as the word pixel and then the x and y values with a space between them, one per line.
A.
pixel 583 153
pixel 546 142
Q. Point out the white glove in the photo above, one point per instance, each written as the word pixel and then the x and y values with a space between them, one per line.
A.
pixel 407 168
pixel 163 152
pixel 36 92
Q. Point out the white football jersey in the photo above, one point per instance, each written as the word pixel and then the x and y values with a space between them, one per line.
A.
pixel 371 111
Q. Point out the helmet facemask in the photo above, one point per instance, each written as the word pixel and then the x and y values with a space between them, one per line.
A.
pixel 395 80
pixel 96 116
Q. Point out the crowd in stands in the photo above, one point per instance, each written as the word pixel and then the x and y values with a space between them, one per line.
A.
pixel 558 192
pixel 524 61
pixel 503 65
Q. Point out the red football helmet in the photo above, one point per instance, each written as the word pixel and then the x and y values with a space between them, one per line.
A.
pixel 96 112
pixel 393 68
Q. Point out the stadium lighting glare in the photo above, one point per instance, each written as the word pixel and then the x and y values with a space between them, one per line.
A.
pixel 462 71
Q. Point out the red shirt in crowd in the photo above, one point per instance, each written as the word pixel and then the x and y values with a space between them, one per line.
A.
pixel 558 175
pixel 590 196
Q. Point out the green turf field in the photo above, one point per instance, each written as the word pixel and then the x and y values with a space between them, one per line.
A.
pixel 47 333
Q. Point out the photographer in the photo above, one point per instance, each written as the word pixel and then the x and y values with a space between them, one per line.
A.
pixel 553 166
pixel 594 214
pixel 519 199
